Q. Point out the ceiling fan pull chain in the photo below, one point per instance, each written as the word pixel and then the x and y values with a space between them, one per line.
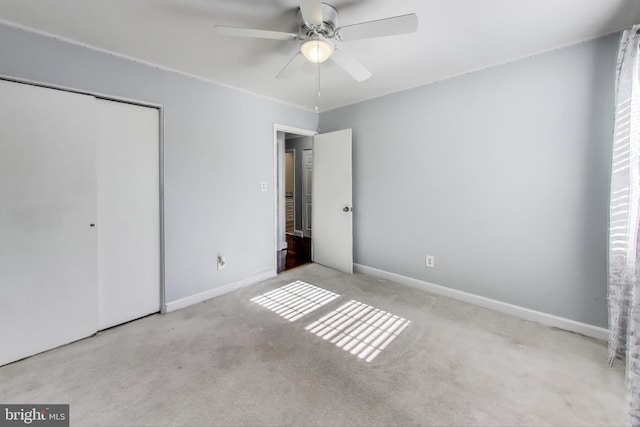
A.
pixel 318 81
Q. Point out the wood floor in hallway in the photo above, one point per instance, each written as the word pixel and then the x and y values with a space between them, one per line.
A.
pixel 298 253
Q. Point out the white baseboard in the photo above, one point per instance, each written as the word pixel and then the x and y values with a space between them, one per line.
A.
pixel 216 292
pixel 502 307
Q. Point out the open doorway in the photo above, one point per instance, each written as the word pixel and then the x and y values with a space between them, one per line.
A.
pixel 330 226
pixel 298 164
pixel 294 157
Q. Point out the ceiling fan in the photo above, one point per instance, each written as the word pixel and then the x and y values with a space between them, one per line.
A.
pixel 318 30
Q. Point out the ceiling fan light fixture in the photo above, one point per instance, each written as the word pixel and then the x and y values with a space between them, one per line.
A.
pixel 317 50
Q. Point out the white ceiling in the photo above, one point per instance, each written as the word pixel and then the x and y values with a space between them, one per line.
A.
pixel 454 37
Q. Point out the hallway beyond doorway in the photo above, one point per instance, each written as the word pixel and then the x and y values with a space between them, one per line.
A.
pixel 297 253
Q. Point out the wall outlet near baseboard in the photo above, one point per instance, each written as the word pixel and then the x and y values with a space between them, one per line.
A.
pixel 430 261
pixel 222 262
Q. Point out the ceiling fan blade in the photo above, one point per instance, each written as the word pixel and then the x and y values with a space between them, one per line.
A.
pixel 253 33
pixel 351 65
pixel 292 67
pixel 311 11
pixel 402 24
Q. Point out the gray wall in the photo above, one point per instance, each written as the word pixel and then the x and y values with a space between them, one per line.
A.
pixel 502 174
pixel 298 145
pixel 218 147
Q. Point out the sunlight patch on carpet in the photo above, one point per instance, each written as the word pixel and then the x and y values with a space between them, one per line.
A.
pixel 295 300
pixel 360 329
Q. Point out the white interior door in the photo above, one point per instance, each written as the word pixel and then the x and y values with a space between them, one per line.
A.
pixel 128 211
pixel 307 191
pixel 48 289
pixel 332 201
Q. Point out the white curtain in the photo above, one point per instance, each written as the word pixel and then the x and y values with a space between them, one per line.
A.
pixel 624 256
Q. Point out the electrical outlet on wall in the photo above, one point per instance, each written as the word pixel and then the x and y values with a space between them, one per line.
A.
pixel 222 262
pixel 430 261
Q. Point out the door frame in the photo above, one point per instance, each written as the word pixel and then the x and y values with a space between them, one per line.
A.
pixel 160 108
pixel 278 181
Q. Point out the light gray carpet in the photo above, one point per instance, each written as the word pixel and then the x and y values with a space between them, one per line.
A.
pixel 230 362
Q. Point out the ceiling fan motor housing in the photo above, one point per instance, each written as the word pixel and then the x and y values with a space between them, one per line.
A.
pixel 328 27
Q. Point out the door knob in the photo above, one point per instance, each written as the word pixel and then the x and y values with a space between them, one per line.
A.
pixel 346 209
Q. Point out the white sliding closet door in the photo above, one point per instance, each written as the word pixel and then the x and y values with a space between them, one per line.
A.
pixel 128 211
pixel 48 287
